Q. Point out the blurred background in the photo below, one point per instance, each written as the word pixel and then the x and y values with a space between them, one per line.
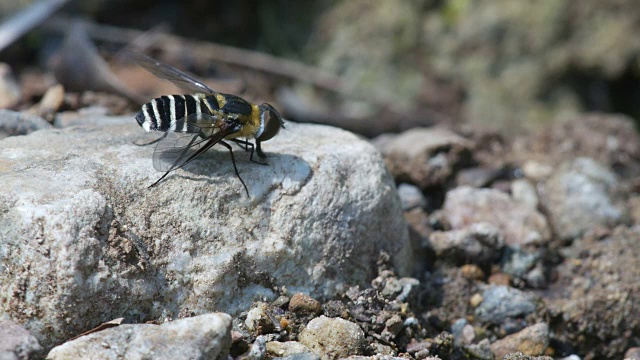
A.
pixel 370 66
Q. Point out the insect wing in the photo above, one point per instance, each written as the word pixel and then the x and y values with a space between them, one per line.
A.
pixel 177 149
pixel 168 72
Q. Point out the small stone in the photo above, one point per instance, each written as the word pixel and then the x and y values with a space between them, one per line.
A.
pixel 333 338
pixel 16 342
pixel 475 300
pixel 394 325
pixel 335 308
pixel 499 279
pixel 288 348
pixel 536 171
pixel 304 304
pixel 518 262
pixel 411 197
pixel 9 88
pixel 479 351
pixel 281 302
pixel 472 272
pixel 479 243
pixel 301 356
pixel 259 320
pixel 532 340
pixel 409 289
pixel 521 356
pixel 501 302
pixel 519 223
pixel 258 350
pixel 477 177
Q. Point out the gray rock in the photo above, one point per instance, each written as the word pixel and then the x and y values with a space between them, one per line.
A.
pixel 532 340
pixel 333 338
pixel 76 214
pixel 201 337
pixel 502 302
pixel 581 195
pixel 519 223
pixel 480 243
pixel 16 123
pixel 521 356
pixel 411 197
pixel 518 262
pixel 426 157
pixel 16 343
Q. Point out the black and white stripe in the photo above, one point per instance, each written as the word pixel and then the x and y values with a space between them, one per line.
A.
pixel 168 113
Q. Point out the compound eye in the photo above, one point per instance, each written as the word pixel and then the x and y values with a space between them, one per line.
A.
pixel 271 120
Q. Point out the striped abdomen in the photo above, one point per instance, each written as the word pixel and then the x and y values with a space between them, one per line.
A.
pixel 168 113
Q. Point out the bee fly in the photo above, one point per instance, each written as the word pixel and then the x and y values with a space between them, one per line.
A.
pixel 208 117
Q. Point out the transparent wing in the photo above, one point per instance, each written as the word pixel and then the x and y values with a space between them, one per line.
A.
pixel 177 149
pixel 168 72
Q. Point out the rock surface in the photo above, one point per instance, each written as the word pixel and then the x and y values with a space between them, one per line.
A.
pixel 16 343
pixel 333 338
pixel 520 224
pixel 76 214
pixel 597 296
pixel 480 243
pixel 202 337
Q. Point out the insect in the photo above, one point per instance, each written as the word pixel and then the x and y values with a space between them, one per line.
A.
pixel 205 116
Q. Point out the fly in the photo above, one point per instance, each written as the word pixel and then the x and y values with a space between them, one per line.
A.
pixel 206 117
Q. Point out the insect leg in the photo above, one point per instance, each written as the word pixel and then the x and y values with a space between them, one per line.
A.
pixel 233 160
pixel 154 141
pixel 173 167
pixel 259 150
pixel 248 147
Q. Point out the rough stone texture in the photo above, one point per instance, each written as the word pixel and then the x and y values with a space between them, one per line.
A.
pixel 520 224
pixel 426 157
pixel 502 302
pixel 333 338
pixel 480 243
pixel 596 298
pixel 532 340
pixel 201 337
pixel 521 356
pixel 16 343
pixel 76 215
pixel 411 197
pixel 582 195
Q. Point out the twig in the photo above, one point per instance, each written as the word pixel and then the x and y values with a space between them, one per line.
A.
pixel 27 19
pixel 217 53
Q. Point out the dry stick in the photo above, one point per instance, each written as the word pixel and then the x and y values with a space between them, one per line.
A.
pixel 218 53
pixel 27 19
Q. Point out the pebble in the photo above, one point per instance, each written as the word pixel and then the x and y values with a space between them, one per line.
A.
pixel 524 192
pixel 472 272
pixel 287 348
pixel 632 353
pixel 303 304
pixel 502 302
pixel 532 340
pixel 411 197
pixel 333 338
pixel 259 320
